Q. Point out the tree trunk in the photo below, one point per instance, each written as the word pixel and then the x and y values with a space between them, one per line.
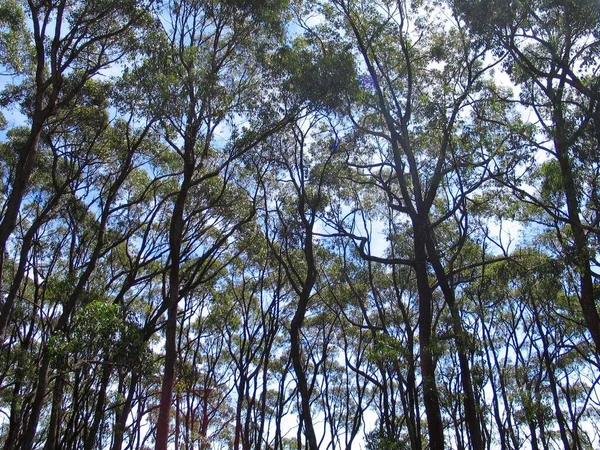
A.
pixel 36 407
pixel 23 172
pixel 6 309
pixel 121 417
pixel 175 241
pixel 55 415
pixel 471 415
pixel 296 326
pixel 581 257
pixel 431 399
pixel 90 439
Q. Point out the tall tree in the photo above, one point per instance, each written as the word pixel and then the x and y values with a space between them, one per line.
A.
pixel 71 43
pixel 203 73
pixel 415 98
pixel 553 48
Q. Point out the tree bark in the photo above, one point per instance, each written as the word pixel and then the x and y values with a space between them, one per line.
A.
pixel 431 399
pixel 175 241
pixel 90 439
pixel 471 415
pixel 121 417
pixel 581 257
pixel 296 346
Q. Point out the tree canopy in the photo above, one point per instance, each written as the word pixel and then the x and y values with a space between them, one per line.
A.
pixel 309 224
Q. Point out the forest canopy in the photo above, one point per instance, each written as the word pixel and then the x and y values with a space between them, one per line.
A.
pixel 299 224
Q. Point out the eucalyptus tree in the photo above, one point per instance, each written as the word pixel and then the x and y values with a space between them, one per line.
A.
pixel 57 181
pixel 70 42
pixel 290 220
pixel 199 76
pixel 250 305
pixel 204 408
pixel 341 345
pixel 544 378
pixel 78 214
pixel 551 51
pixel 424 89
pixel 188 253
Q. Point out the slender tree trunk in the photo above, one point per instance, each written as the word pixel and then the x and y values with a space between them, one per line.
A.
pixel 16 413
pixel 44 106
pixel 296 353
pixel 17 417
pixel 581 257
pixel 36 407
pixel 296 326
pixel 23 172
pixel 265 391
pixel 495 401
pixel 471 415
pixel 560 418
pixel 6 309
pixel 238 412
pixel 63 320
pixel 175 241
pixel 204 444
pixel 90 439
pixel 166 393
pixel 431 399
pixel 121 417
pixel 55 415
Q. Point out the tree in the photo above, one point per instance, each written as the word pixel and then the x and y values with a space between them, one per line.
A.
pixel 205 74
pixel 415 111
pixel 71 44
pixel 552 50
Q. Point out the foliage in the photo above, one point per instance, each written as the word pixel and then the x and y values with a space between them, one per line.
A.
pixel 279 224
